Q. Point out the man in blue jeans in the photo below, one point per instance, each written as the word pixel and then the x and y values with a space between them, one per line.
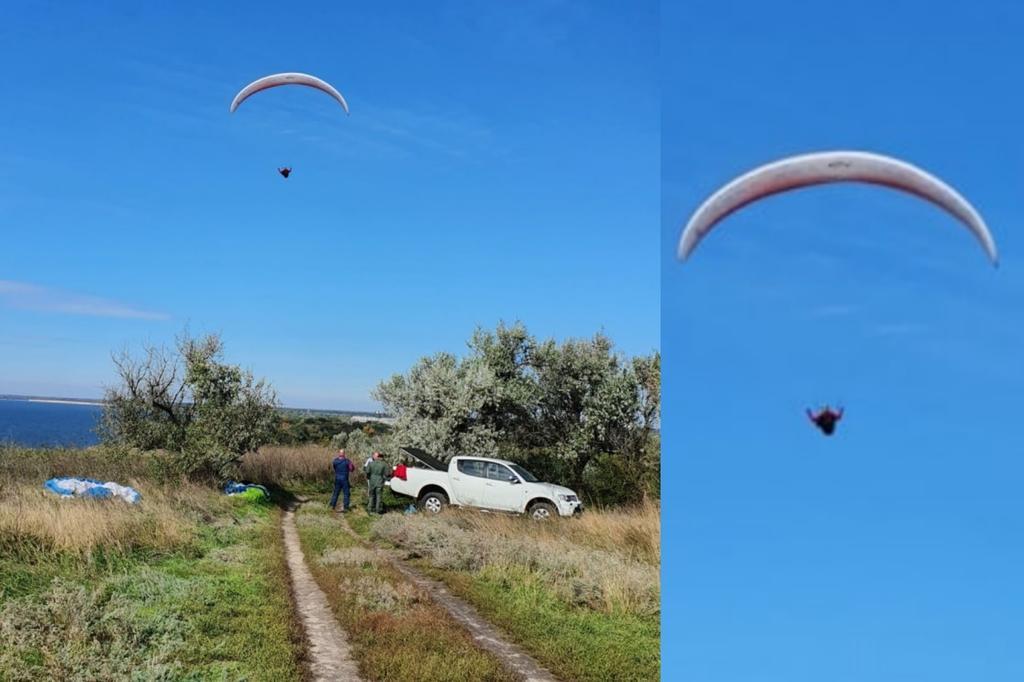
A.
pixel 342 466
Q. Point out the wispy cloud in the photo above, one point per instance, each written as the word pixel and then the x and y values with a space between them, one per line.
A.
pixel 18 341
pixel 379 129
pixel 528 27
pixel 834 310
pixel 457 134
pixel 34 297
pixel 896 329
pixel 178 95
pixel 866 322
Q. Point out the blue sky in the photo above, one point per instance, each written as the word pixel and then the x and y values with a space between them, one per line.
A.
pixel 500 163
pixel 891 551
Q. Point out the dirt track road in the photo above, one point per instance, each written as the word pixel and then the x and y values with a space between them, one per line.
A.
pixel 330 654
pixel 329 648
pixel 484 634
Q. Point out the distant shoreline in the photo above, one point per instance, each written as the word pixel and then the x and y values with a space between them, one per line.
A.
pixel 354 415
pixel 47 399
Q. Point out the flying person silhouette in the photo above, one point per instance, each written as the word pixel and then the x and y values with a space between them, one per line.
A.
pixel 285 171
pixel 826 419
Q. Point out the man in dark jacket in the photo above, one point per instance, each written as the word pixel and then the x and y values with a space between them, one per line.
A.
pixel 342 466
pixel 376 474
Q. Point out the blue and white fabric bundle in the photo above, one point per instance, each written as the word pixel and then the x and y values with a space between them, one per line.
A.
pixel 234 488
pixel 67 486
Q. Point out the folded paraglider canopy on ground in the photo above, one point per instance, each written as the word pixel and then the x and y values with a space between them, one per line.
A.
pixel 68 486
pixel 249 491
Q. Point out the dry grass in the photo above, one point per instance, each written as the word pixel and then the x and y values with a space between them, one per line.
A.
pixel 633 532
pixel 277 465
pixel 19 464
pixel 351 556
pixel 607 562
pixel 290 465
pixel 187 584
pixel 398 633
pixel 375 593
pixel 33 519
pixel 273 465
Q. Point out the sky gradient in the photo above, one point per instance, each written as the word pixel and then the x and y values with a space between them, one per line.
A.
pixel 500 163
pixel 892 550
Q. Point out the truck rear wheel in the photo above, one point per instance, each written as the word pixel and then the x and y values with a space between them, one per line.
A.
pixel 542 511
pixel 433 502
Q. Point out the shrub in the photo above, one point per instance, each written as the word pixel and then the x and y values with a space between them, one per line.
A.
pixel 602 566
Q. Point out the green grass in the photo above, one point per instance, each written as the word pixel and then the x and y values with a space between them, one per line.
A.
pixel 587 613
pixel 574 643
pixel 204 595
pixel 358 520
pixel 215 608
pixel 397 633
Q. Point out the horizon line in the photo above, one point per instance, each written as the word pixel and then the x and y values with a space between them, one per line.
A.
pixel 100 401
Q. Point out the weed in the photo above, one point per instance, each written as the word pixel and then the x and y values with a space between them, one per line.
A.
pixel 187 584
pixel 397 633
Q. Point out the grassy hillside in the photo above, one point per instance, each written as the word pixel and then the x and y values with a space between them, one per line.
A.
pixel 398 633
pixel 191 584
pixel 581 595
pixel 188 584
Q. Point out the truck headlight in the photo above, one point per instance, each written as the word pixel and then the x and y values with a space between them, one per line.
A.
pixel 568 498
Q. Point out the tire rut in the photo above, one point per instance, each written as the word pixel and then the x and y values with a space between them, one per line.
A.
pixel 486 636
pixel 329 650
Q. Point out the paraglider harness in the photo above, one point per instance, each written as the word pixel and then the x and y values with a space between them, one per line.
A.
pixel 826 419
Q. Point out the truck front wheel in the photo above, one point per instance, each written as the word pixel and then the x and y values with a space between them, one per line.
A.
pixel 542 511
pixel 433 502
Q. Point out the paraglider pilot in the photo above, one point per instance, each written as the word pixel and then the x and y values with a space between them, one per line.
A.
pixel 826 419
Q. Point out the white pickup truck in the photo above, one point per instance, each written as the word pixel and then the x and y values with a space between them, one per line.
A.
pixel 482 483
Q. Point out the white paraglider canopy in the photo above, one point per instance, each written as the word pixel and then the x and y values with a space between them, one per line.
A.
pixel 279 79
pixel 827 167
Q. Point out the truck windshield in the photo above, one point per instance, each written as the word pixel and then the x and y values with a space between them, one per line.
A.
pixel 526 475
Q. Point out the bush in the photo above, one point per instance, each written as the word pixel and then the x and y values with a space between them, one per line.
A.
pixel 605 565
pixel 328 430
pixel 78 633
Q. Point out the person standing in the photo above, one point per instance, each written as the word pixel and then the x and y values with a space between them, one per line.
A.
pixel 366 473
pixel 342 466
pixel 376 474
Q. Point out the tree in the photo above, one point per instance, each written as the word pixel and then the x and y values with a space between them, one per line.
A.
pixel 575 411
pixel 647 443
pixel 440 405
pixel 190 403
pixel 507 354
pixel 589 401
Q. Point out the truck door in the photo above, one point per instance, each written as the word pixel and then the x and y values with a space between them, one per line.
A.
pixel 503 489
pixel 468 482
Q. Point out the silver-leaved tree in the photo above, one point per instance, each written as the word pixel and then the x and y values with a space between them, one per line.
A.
pixel 204 413
pixel 574 411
